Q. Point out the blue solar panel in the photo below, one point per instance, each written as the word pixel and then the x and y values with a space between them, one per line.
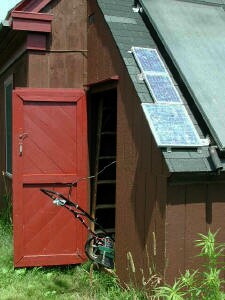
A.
pixel 162 89
pixel 156 76
pixel 171 125
pixel 148 60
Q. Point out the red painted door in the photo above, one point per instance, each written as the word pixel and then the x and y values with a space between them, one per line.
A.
pixel 49 147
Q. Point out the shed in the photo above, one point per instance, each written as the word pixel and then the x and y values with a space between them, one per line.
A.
pixel 43 125
pixel 72 67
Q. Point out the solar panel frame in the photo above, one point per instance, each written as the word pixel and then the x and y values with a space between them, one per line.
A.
pixel 171 125
pixel 144 63
pixel 167 116
pixel 162 93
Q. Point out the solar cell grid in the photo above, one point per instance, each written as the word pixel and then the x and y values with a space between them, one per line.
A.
pixel 171 125
pixel 162 89
pixel 149 60
pixel 167 117
pixel 156 76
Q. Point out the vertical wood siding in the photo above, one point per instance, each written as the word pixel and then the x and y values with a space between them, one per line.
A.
pixel 65 62
pixel 191 209
pixel 141 173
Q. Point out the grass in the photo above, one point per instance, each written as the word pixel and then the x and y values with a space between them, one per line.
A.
pixel 82 282
pixel 71 282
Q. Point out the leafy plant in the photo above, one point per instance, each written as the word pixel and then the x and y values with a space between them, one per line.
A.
pixel 206 284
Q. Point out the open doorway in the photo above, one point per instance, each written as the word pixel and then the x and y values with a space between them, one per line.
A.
pixel 102 112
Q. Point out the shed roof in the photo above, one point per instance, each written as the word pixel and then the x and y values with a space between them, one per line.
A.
pixel 193 35
pixel 129 29
pixel 34 6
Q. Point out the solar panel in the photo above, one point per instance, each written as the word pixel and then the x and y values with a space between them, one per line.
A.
pixel 162 89
pixel 148 60
pixel 171 125
pixel 156 76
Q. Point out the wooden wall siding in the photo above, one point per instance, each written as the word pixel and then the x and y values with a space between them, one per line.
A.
pixel 56 70
pixel 192 209
pixel 19 71
pixel 65 63
pixel 69 24
pixel 141 173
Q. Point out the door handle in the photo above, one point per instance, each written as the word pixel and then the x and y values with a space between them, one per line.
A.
pixel 22 136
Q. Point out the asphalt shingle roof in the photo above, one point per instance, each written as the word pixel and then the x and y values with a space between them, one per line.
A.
pixel 128 29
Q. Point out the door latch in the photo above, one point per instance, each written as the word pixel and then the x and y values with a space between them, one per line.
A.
pixel 22 136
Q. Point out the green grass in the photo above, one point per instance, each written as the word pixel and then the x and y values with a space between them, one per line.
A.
pixel 72 282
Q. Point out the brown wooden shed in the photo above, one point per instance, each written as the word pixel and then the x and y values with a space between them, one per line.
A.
pixel 158 197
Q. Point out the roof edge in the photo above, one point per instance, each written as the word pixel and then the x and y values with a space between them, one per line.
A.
pixel 30 21
pixel 31 5
pixel 32 15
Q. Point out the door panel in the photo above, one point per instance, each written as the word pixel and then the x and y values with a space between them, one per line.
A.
pixel 45 121
pixel 49 147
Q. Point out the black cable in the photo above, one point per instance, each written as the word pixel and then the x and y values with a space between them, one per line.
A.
pixel 88 177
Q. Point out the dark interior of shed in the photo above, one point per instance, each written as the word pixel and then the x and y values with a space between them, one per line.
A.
pixel 102 115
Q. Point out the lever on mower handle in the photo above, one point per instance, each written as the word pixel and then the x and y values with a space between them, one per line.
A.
pixel 58 199
pixel 59 202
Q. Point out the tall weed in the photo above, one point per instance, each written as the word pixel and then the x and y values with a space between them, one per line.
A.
pixel 149 279
pixel 206 284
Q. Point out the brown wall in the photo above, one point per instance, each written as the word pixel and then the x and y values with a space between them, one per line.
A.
pixel 65 63
pixel 141 173
pixel 150 212
pixel 192 209
pixel 19 71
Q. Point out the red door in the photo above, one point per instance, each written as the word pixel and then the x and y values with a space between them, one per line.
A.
pixel 49 147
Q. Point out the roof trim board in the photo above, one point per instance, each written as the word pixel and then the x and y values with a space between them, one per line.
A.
pixel 30 21
pixel 32 15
